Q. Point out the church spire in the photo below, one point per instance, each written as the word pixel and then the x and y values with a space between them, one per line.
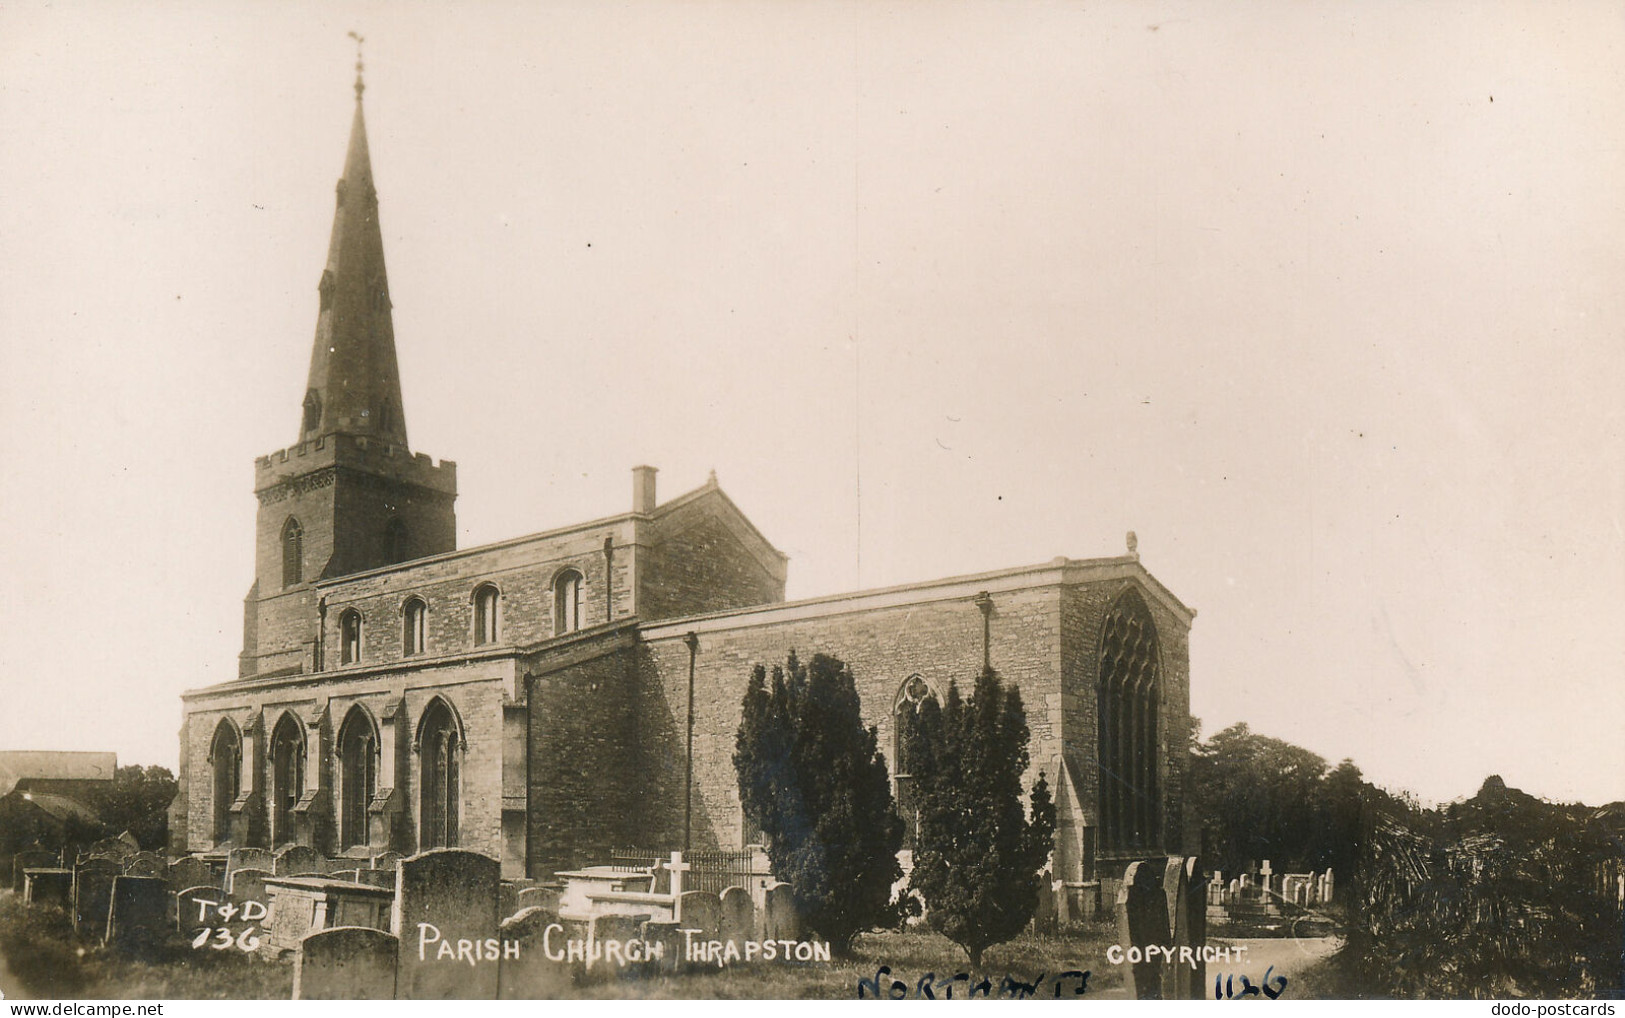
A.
pixel 355 384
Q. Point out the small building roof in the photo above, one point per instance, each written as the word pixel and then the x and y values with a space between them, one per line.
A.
pixel 19 765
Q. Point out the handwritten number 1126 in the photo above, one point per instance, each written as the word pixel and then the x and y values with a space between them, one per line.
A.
pixel 1224 987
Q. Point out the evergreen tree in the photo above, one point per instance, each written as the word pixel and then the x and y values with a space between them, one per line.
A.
pixel 814 780
pixel 979 850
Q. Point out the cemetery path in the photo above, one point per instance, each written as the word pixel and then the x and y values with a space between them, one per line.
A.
pixel 1289 956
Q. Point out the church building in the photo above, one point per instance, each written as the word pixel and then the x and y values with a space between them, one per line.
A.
pixel 547 698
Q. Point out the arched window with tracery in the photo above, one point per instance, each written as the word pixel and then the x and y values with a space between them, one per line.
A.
pixel 226 759
pixel 350 636
pixel 287 776
pixel 414 626
pixel 566 602
pixel 358 776
pixel 912 695
pixel 1130 703
pixel 293 553
pixel 440 750
pixel 486 603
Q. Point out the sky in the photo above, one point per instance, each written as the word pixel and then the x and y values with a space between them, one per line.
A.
pixel 1322 300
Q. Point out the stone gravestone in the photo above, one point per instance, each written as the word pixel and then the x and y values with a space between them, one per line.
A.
pixel 1142 920
pixel 298 859
pixel 1044 911
pixel 700 911
pixel 146 864
pixel 138 921
pixel 606 930
pixel 1173 894
pixel 353 876
pixel 195 908
pixel 93 894
pixel 51 886
pixel 376 878
pixel 346 963
pixel 31 859
pixel 738 918
pixel 116 849
pixel 533 975
pixel 780 920
pixel 247 885
pixel 1190 930
pixel 537 897
pixel 386 861
pixel 190 872
pixel 445 896
pixel 1326 894
pixel 666 938
pixel 249 859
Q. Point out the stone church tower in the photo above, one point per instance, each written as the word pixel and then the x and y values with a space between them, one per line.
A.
pixel 348 495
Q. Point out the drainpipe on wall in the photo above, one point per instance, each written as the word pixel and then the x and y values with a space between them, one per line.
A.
pixel 984 601
pixel 609 579
pixel 321 631
pixel 693 642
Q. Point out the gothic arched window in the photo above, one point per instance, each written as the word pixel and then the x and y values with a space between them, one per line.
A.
pixel 358 776
pixel 914 693
pixel 287 776
pixel 226 758
pixel 1130 701
pixel 440 749
pixel 350 636
pixel 414 626
pixel 486 601
pixel 566 602
pixel 293 552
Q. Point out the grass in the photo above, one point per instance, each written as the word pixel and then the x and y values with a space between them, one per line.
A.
pixel 48 959
pixel 910 956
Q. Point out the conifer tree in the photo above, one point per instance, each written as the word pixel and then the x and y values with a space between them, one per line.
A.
pixel 979 850
pixel 812 777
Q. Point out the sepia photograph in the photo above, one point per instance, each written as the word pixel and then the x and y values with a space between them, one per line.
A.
pixel 904 500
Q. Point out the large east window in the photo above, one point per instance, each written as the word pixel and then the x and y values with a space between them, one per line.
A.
pixel 1129 702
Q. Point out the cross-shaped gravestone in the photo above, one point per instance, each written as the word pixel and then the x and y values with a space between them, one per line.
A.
pixel 677 867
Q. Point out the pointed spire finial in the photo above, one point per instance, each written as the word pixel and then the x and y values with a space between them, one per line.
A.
pixel 359 87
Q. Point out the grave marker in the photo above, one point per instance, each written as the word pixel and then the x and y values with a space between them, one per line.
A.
pixel 738 918
pixel 780 920
pixel 346 963
pixel 298 860
pixel 138 918
pixel 445 912
pixel 93 894
pixel 532 975
pixel 190 872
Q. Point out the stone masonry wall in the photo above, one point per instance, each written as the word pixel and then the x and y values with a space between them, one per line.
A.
pixel 699 565
pixel 941 641
pixel 583 782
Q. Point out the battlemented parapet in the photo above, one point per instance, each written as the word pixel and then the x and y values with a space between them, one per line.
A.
pixel 358 452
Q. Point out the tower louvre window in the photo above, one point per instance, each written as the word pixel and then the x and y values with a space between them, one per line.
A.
pixel 293 552
pixel 313 411
pixel 567 602
pixel 350 636
pixel 486 602
pixel 395 540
